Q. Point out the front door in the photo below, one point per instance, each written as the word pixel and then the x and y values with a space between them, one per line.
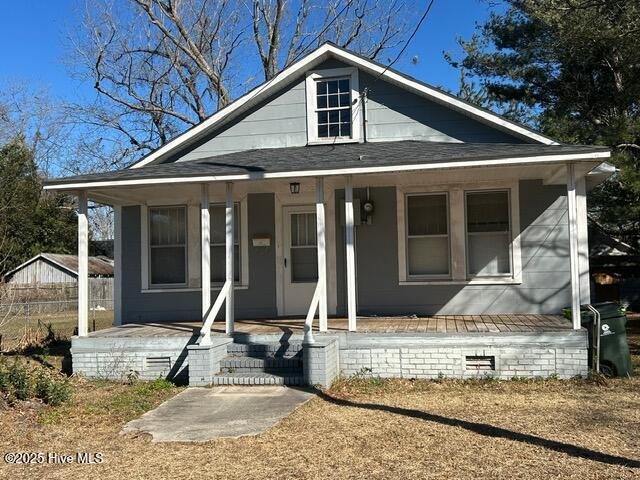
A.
pixel 300 258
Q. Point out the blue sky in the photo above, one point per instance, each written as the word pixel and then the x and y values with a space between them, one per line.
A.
pixel 33 33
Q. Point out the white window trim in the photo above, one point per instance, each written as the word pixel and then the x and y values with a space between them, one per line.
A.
pixel 428 277
pixel 147 249
pixel 193 248
pixel 312 121
pixel 457 234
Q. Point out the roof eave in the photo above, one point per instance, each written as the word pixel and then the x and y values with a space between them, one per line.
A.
pixel 509 161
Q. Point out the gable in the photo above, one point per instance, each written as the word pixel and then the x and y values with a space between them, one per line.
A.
pixel 392 114
pixel 273 114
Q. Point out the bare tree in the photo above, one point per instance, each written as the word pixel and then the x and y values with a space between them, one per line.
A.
pixel 161 66
pixel 32 113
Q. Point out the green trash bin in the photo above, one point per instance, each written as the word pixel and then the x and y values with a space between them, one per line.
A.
pixel 615 358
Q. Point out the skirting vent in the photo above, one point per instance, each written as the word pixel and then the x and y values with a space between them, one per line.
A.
pixel 480 362
pixel 158 365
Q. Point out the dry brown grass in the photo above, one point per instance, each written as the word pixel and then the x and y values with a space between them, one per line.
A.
pixel 361 429
pixel 22 332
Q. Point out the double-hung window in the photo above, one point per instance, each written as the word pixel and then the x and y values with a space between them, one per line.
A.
pixel 168 246
pixel 333 105
pixel 427 223
pixel 488 233
pixel 333 108
pixel 218 243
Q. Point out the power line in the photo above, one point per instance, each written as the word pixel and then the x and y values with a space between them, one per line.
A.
pixel 413 34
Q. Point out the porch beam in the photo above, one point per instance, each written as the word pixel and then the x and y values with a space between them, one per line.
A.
pixel 350 254
pixel 229 305
pixel 322 253
pixel 573 246
pixel 205 253
pixel 83 265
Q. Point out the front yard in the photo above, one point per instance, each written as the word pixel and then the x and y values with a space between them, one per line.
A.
pixel 360 428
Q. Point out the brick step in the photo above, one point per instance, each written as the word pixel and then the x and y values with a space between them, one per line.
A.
pixel 264 350
pixel 256 379
pixel 233 364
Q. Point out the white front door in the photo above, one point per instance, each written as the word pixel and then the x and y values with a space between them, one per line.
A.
pixel 300 258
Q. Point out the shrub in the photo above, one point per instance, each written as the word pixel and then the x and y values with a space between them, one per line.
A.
pixel 51 390
pixel 20 382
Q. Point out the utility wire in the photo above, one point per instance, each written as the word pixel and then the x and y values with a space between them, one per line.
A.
pixel 413 34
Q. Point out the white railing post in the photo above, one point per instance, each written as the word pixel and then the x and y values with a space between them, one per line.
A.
pixel 83 266
pixel 351 257
pixel 229 312
pixel 308 322
pixel 322 253
pixel 573 246
pixel 205 253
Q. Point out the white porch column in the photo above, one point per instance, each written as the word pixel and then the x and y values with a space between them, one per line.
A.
pixel 583 240
pixel 229 305
pixel 322 254
pixel 117 265
pixel 83 266
pixel 351 257
pixel 573 245
pixel 205 251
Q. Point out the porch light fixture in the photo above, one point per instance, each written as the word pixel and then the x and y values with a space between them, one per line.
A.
pixel 294 187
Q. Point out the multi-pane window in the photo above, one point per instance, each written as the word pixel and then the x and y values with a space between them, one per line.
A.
pixel 333 108
pixel 428 235
pixel 304 252
pixel 218 243
pixel 168 245
pixel 488 233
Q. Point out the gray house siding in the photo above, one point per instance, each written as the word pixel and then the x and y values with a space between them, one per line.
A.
pixel 257 301
pixel 276 123
pixel 395 114
pixel 545 284
pixel 392 114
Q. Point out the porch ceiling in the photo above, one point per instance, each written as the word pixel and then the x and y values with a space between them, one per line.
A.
pixel 339 159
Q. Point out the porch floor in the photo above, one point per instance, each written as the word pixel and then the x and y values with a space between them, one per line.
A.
pixel 446 324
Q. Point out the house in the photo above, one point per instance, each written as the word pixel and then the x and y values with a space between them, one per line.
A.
pixel 429 237
pixel 50 277
pixel 614 267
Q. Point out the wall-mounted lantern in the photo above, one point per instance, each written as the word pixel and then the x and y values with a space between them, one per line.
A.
pixel 294 187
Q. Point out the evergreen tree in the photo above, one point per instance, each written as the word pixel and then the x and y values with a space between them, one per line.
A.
pixel 31 221
pixel 573 66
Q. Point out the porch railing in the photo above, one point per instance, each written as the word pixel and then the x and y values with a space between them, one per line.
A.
pixel 205 331
pixel 313 307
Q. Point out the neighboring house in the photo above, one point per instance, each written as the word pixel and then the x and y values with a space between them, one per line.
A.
pixel 346 188
pixel 50 277
pixel 614 267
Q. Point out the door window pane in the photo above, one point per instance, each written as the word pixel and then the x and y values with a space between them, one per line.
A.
pixel 428 235
pixel 488 233
pixel 304 253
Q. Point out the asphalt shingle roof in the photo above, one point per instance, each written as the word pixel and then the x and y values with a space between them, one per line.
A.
pixel 332 157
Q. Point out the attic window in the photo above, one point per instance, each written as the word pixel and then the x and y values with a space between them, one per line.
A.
pixel 332 105
pixel 333 108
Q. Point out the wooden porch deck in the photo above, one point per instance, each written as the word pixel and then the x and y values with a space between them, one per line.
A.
pixel 445 324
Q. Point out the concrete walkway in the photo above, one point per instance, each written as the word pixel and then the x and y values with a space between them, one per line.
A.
pixel 202 414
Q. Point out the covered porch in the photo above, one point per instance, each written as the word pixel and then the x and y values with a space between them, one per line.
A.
pixel 478 295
